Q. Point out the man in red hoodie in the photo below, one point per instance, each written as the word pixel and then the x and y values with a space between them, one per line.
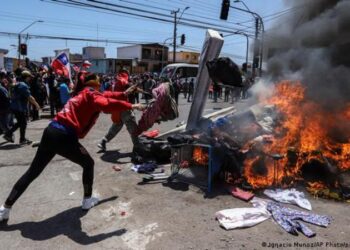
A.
pixel 62 136
pixel 119 118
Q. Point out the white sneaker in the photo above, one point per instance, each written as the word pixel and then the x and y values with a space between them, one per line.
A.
pixel 4 213
pixel 89 203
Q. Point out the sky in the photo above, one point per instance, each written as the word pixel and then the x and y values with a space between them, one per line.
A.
pixel 67 21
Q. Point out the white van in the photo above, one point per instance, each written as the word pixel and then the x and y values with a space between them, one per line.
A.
pixel 182 70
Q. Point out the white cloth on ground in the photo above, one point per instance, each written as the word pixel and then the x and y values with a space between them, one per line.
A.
pixel 259 202
pixel 241 217
pixel 291 196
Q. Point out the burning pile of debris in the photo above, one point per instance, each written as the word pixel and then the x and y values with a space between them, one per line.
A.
pixel 284 140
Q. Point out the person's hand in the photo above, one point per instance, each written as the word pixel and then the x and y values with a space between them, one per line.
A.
pixel 38 107
pixel 130 90
pixel 139 106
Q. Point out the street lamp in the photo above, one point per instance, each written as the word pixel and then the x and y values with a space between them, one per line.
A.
pixel 247 37
pixel 175 28
pixel 259 18
pixel 19 39
pixel 163 50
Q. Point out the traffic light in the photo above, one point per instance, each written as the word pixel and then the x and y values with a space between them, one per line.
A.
pixel 183 38
pixel 23 49
pixel 224 9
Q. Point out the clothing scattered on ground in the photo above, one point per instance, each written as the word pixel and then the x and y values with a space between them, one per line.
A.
pixel 151 134
pixel 289 219
pixel 239 193
pixel 290 196
pixel 144 168
pixel 241 217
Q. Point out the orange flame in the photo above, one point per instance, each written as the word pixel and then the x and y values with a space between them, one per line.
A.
pixel 303 125
pixel 200 157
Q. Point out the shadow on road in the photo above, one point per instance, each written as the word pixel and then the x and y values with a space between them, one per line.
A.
pixel 113 156
pixel 66 223
pixel 5 146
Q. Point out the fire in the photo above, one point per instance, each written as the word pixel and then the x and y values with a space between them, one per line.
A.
pixel 200 156
pixel 306 127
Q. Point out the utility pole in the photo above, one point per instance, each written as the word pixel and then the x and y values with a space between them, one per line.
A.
pixel 174 12
pixel 259 43
pixel 175 30
pixel 19 50
pixel 19 39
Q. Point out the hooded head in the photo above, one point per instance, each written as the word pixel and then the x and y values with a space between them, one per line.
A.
pixel 92 80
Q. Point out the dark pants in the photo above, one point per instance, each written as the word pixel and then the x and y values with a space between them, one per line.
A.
pixel 21 123
pixel 55 141
pixel 5 122
pixel 55 105
pixel 176 96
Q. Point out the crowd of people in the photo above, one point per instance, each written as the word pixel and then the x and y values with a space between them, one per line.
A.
pixel 23 93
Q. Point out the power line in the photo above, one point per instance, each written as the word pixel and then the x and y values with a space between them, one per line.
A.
pixel 11 34
pixel 143 11
pixel 225 29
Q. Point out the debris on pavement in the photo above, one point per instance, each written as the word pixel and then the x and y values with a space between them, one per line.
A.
pixel 291 196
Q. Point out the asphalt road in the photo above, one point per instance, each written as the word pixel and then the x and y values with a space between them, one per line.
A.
pixel 132 215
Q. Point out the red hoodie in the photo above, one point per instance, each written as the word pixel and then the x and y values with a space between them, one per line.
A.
pixel 121 84
pixel 81 112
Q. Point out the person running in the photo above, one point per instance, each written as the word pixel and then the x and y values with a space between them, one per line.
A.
pixel 62 136
pixel 19 106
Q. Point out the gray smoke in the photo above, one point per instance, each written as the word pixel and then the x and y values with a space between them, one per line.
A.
pixel 312 43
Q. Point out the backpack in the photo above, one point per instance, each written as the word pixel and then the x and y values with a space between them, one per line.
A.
pixel 224 70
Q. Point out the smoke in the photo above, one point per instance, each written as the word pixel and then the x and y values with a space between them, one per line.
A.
pixel 312 44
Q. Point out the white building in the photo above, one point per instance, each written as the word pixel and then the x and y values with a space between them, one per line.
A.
pixel 149 57
pixel 90 53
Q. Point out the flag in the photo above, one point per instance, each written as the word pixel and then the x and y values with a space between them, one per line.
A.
pixel 60 65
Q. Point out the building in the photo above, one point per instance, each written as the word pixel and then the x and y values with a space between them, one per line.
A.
pixel 75 58
pixel 47 60
pixel 185 57
pixel 148 57
pixel 3 53
pixel 90 53
pixel 111 65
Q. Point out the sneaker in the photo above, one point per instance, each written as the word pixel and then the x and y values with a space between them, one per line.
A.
pixel 25 142
pixel 4 213
pixel 102 145
pixel 89 203
pixel 9 138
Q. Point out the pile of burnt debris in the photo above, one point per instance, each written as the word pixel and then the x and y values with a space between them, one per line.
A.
pixel 238 148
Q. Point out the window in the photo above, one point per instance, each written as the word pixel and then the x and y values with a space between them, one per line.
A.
pixel 146 54
pixel 159 55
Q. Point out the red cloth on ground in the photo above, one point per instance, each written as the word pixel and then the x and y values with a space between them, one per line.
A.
pixel 81 112
pixel 239 193
pixel 152 133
